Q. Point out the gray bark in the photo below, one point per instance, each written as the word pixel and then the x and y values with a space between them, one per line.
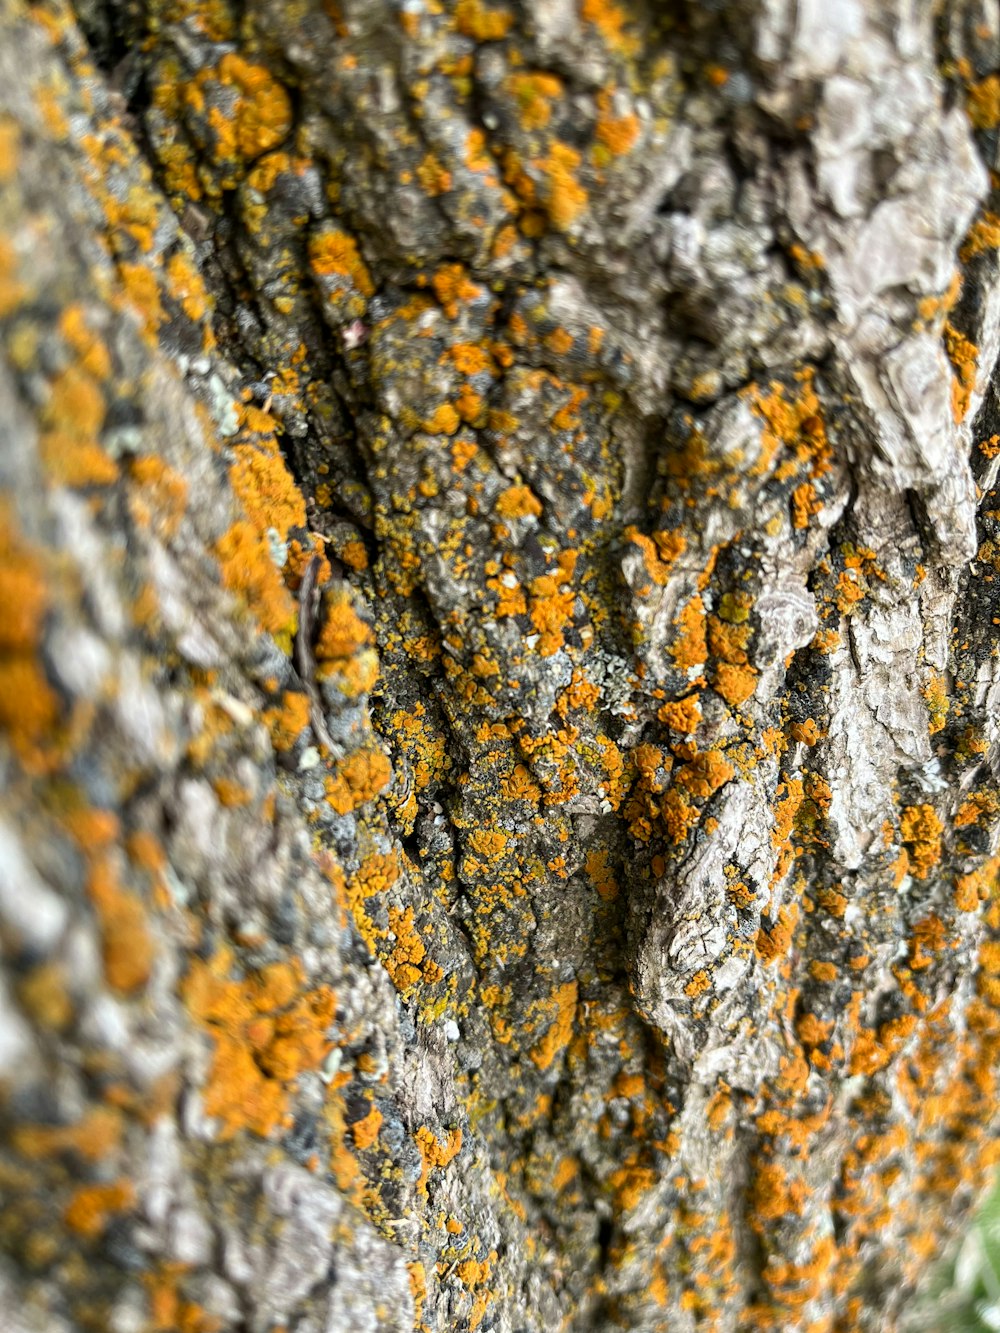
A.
pixel 498 674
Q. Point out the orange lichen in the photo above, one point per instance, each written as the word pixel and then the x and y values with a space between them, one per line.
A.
pixel 659 551
pixel 169 1313
pixel 436 1154
pixel 185 285
pixel 611 21
pixel 601 875
pixel 678 815
pixel 792 422
pixel 159 499
pixel 682 715
pixel 288 722
pixel 258 117
pixel 73 417
pixel 490 843
pixel 822 971
pixel 44 995
pixel 977 887
pixel 565 198
pixel 788 801
pixel 13 290
pixel 874 1050
pixel 92 1206
pixel 332 251
pixel 267 1029
pixel 359 779
pixel 376 875
pixel 476 20
pixel 935 693
pixel 126 944
pixel 813 1031
pixel 580 693
pixel 345 654
pixel 805 504
pixel 690 649
pixel 92 1138
pixel 928 938
pixel 559 341
pixel 248 571
pixel 734 683
pixel 617 134
pixel 705 773
pixel 444 420
pixel 407 962
pixel 775 940
pixel 849 592
pixel 365 1131
pixel 551 608
pixel 29 707
pixel 10 146
pixel 434 178
pixel 698 985
pixel 557 1037
pixel 984 235
pixel 984 103
pixel 265 488
pixel 469 358
pixel 963 356
pixel 921 831
pixel 978 805
pixel 477 157
pixel 773 1194
pixel 533 92
pixel 143 292
pixel 518 502
pixel 728 641
pixel 806 733
pixel 631 1183
pixel 354 555
pixel 232 794
pixel 91 353
pixel 452 286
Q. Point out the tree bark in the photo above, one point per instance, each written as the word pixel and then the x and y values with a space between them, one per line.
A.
pixel 498 661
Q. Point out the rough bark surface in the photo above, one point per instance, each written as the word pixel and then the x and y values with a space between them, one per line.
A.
pixel 498 661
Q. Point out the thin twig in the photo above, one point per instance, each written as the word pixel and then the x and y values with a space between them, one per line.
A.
pixel 309 596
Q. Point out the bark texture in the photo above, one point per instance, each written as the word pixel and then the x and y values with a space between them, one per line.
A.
pixel 498 661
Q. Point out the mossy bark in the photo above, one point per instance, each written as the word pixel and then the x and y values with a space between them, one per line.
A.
pixel 498 661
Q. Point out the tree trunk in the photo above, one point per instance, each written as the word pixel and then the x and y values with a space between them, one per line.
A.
pixel 498 674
